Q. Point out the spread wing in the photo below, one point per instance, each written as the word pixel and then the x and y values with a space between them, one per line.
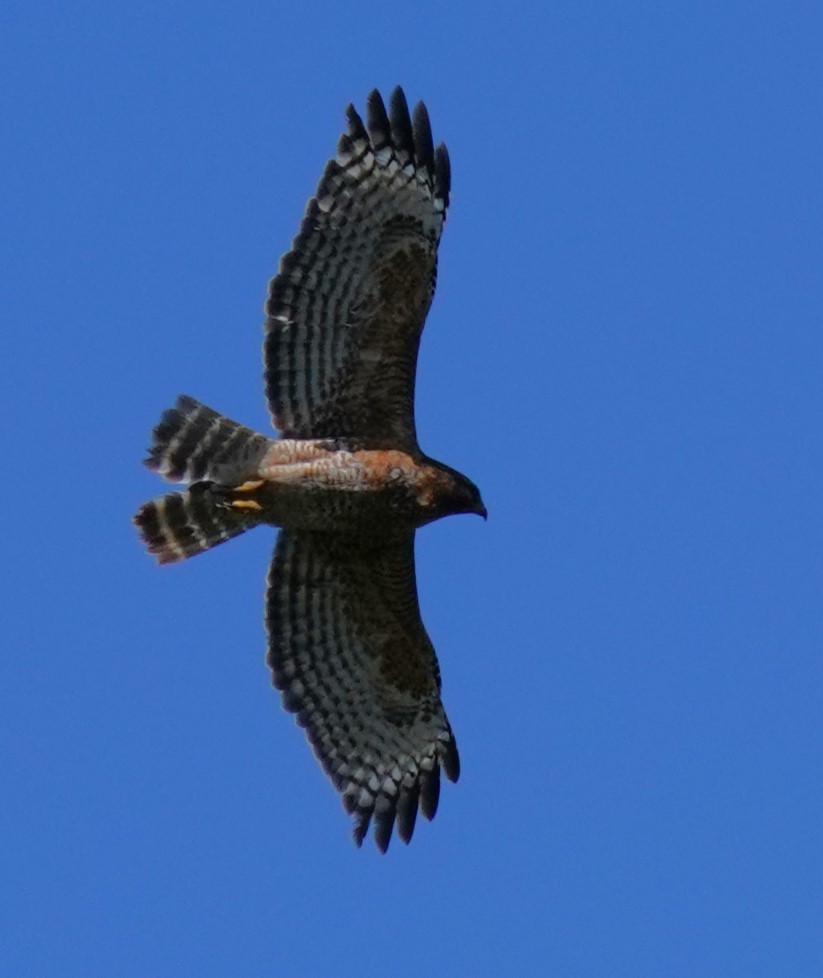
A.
pixel 349 651
pixel 346 309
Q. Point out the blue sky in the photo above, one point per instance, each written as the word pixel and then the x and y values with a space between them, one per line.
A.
pixel 624 353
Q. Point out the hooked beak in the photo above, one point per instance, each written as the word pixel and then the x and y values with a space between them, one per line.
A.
pixel 481 511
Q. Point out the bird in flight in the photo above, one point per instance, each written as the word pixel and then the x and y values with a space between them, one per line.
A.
pixel 346 482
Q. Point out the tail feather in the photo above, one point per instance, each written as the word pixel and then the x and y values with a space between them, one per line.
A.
pixel 182 524
pixel 192 443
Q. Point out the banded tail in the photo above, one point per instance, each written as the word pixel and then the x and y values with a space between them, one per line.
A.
pixel 192 443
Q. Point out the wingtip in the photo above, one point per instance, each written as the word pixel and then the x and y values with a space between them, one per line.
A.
pixel 450 759
pixel 383 825
pixel 401 126
pixel 407 807
pixel 357 130
pixel 362 819
pixel 377 120
pixel 442 173
pixel 422 133
pixel 430 792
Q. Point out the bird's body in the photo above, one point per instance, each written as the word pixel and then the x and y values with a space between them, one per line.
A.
pixel 370 491
pixel 347 483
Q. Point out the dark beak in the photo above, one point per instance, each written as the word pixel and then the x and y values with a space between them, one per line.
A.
pixel 481 511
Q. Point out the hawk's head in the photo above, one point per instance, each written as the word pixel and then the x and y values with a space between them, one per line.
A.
pixel 452 493
pixel 466 497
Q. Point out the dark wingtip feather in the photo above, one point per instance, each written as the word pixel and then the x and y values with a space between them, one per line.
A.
pixel 377 120
pixel 383 822
pixel 401 127
pixel 442 173
pixel 361 826
pixel 345 146
pixel 407 812
pixel 450 760
pixel 422 132
pixel 430 792
pixel 356 128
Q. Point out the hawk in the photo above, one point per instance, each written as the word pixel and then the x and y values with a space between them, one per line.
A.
pixel 346 482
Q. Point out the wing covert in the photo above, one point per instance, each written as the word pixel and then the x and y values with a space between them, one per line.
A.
pixel 346 309
pixel 350 654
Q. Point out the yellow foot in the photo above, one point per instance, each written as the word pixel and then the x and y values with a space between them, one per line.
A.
pixel 246 504
pixel 249 486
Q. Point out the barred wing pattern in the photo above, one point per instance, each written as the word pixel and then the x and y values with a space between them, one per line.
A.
pixel 345 311
pixel 349 651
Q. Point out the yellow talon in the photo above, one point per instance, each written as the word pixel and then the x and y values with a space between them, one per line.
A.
pixel 249 486
pixel 246 504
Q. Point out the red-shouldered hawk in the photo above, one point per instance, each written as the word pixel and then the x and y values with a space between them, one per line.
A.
pixel 347 482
